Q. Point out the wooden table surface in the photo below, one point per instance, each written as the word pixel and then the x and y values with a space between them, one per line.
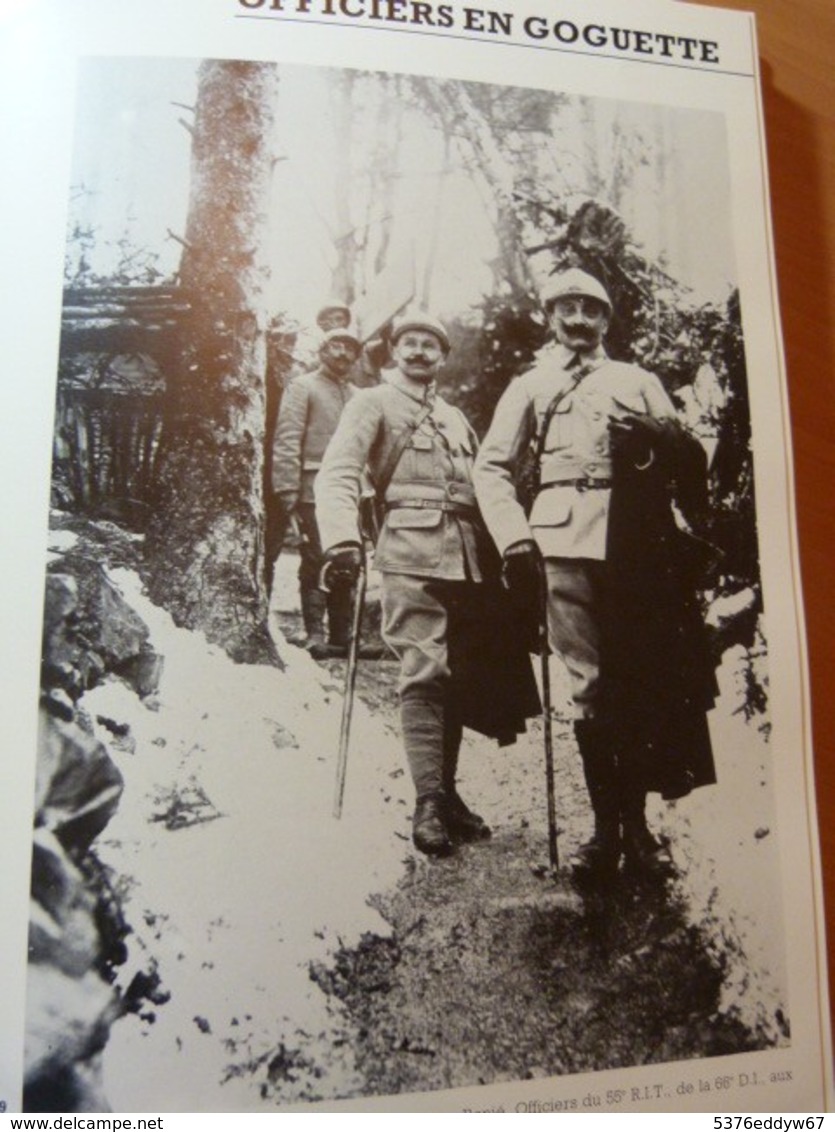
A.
pixel 796 44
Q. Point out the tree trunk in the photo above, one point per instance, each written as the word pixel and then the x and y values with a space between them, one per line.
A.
pixel 343 281
pixel 435 231
pixel 461 118
pixel 205 542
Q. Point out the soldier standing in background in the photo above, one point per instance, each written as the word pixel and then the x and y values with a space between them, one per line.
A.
pixel 621 604
pixel 308 417
pixel 334 315
pixel 441 617
pixel 366 369
pixel 282 367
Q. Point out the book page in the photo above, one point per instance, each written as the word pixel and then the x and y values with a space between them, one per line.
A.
pixel 214 900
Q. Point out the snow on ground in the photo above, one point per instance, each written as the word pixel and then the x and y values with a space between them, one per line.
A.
pixel 236 876
pixel 234 906
pixel 725 838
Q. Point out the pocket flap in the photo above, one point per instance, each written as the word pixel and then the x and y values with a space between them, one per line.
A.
pixel 551 510
pixel 424 443
pixel 413 518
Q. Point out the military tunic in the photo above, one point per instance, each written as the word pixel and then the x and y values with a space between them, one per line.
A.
pixel 312 406
pixel 569 518
pixel 429 536
pixel 309 413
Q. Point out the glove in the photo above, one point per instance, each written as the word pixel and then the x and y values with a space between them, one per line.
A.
pixel 522 572
pixel 522 568
pixel 341 567
pixel 640 436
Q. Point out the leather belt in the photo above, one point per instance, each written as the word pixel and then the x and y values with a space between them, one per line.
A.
pixel 432 505
pixel 585 483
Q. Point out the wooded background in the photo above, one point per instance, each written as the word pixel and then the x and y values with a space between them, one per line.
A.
pixel 462 197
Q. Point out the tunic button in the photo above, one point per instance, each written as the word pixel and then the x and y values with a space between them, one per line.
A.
pixel 452 489
pixel 591 467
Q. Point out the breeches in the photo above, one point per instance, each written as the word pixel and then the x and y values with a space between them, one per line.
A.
pixel 574 586
pixel 419 615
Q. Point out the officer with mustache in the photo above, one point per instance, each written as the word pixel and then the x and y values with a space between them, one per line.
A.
pixel 418 452
pixel 618 611
pixel 307 419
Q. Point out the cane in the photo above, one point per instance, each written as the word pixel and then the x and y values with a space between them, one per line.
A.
pixel 350 682
pixel 544 653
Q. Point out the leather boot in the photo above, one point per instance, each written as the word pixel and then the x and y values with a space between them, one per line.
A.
pixel 313 613
pixel 644 856
pixel 339 620
pixel 462 823
pixel 429 832
pixel 422 722
pixel 596 861
pixel 340 617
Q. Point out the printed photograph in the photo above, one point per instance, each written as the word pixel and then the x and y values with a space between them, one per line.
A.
pixel 405 716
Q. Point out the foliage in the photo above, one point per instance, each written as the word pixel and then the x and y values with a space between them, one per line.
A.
pixel 487 355
pixel 129 264
pixel 657 326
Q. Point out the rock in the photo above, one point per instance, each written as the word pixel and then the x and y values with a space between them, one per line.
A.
pixel 59 703
pixel 68 1019
pixel 70 1006
pixel 76 926
pixel 62 930
pixel 143 671
pixel 89 630
pixel 77 784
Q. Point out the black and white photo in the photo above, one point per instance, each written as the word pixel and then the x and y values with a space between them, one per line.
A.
pixel 418 720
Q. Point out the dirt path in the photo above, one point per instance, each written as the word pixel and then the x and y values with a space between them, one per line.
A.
pixel 495 970
pixel 491 975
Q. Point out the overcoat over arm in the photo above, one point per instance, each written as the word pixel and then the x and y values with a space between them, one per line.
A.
pixel 613 503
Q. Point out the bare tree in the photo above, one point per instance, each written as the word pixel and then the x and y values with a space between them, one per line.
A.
pixel 365 176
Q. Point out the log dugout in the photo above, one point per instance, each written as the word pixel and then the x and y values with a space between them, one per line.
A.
pixel 107 446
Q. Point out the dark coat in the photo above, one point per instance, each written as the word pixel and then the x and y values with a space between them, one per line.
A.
pixel 493 684
pixel 657 676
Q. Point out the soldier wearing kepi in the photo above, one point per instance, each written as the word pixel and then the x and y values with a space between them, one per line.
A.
pixel 310 411
pixel 418 452
pixel 334 315
pixel 621 604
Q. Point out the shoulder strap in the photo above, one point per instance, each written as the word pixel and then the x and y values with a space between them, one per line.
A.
pixel 383 480
pixel 553 405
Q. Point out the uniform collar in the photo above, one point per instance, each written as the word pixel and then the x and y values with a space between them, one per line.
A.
pixel 419 391
pixel 592 358
pixel 335 378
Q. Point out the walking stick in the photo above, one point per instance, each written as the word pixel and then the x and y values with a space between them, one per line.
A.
pixel 544 652
pixel 350 682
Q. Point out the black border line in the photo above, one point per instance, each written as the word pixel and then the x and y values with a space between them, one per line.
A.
pixel 282 19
